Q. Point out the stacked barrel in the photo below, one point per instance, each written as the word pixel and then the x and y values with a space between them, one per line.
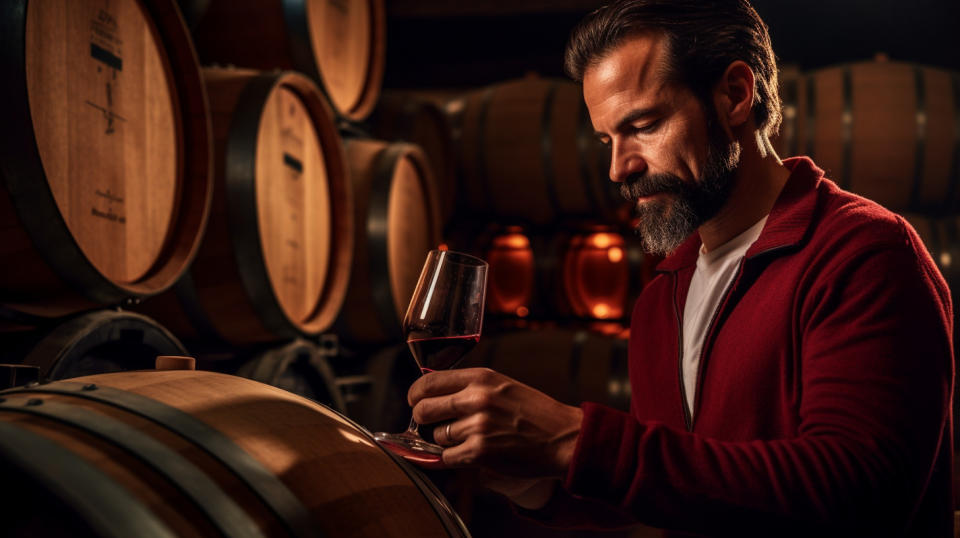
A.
pixel 226 179
pixel 195 179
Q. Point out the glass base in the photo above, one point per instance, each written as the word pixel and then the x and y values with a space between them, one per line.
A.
pixel 410 446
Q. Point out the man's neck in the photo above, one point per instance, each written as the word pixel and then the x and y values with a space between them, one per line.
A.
pixel 758 181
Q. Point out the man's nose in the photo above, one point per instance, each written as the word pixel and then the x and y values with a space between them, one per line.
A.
pixel 624 163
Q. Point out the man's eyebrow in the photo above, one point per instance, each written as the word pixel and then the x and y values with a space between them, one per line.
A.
pixel 630 117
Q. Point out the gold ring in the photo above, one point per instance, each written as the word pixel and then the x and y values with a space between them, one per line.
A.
pixel 446 432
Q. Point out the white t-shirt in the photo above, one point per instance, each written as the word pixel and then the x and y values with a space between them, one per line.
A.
pixel 714 274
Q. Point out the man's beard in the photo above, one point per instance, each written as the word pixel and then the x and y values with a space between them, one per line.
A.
pixel 666 221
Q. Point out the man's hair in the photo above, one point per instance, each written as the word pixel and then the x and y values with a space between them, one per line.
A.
pixel 704 38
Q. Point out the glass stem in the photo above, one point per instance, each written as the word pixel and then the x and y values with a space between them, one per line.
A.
pixel 413 428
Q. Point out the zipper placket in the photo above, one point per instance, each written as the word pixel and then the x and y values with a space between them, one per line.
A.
pixel 687 412
pixel 683 394
pixel 707 340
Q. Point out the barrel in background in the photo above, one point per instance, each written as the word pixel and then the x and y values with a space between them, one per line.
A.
pixel 411 117
pixel 106 153
pixel 339 43
pixel 301 367
pixel 96 342
pixel 527 153
pixel 887 130
pixel 398 224
pixel 276 258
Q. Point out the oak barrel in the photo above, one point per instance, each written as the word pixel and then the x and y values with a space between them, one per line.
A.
pixel 96 342
pixel 105 155
pixel 300 367
pixel 340 43
pixel 527 153
pixel 397 225
pixel 193 453
pixel 409 117
pixel 275 262
pixel 887 130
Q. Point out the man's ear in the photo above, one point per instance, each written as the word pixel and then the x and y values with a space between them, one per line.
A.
pixel 734 94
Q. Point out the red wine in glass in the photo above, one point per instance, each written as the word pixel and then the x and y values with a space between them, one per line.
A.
pixel 440 352
pixel 442 324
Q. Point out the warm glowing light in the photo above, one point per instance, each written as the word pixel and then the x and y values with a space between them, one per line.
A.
pixel 601 311
pixel 443 246
pixel 615 254
pixel 512 240
pixel 523 311
pixel 602 240
pixel 945 259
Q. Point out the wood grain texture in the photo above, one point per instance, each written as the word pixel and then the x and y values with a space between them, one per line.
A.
pixel 410 117
pixel 107 125
pixel 275 262
pixel 107 162
pixel 293 203
pixel 395 237
pixel 349 485
pixel 886 115
pixel 528 155
pixel 340 43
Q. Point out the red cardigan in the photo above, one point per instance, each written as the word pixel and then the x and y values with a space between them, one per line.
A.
pixel 824 397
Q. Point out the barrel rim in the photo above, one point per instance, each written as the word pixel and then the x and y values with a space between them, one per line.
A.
pixel 103 503
pixel 270 364
pixel 305 60
pixel 25 178
pixel 240 181
pixel 89 386
pixel 56 348
pixel 384 166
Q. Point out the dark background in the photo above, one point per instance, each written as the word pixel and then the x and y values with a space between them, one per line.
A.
pixel 467 43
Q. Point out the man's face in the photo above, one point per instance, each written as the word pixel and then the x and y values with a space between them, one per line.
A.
pixel 669 153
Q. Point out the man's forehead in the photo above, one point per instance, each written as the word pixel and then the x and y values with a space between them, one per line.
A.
pixel 638 60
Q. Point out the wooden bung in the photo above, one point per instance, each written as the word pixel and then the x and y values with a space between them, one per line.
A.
pixel 106 153
pixel 95 342
pixel 339 43
pixel 193 453
pixel 275 261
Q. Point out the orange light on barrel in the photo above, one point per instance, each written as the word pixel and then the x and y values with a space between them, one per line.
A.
pixel 510 277
pixel 596 276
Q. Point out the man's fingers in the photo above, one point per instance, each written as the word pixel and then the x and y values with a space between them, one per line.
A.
pixel 461 455
pixel 445 382
pixel 443 434
pixel 452 406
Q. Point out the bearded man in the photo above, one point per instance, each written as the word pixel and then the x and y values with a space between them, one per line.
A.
pixel 791 365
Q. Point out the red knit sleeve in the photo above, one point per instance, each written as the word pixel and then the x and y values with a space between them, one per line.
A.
pixel 876 374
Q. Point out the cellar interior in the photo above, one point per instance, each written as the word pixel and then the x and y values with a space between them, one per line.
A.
pixel 255 184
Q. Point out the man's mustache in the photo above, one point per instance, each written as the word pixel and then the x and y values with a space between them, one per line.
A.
pixel 641 185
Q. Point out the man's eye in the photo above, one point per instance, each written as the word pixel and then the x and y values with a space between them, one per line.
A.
pixel 647 128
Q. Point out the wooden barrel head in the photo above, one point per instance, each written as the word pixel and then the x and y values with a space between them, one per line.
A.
pixel 409 217
pixel 106 118
pixel 347 39
pixel 396 212
pixel 293 203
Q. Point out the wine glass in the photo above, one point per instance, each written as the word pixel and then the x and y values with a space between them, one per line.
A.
pixel 442 324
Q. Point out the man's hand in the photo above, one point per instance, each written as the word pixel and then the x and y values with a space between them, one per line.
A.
pixel 496 423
